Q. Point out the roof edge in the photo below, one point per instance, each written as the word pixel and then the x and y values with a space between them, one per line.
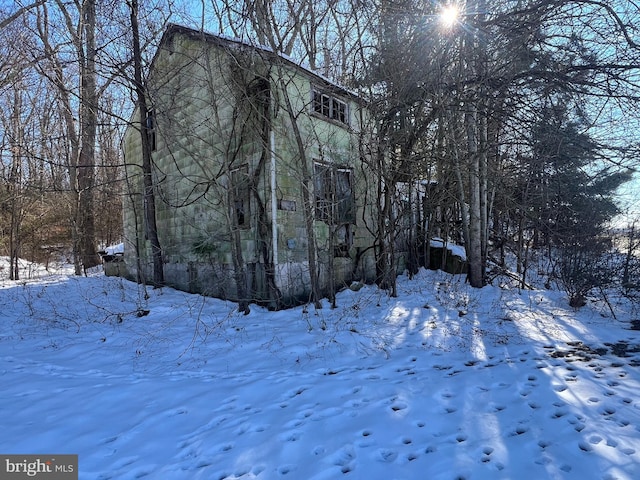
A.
pixel 177 29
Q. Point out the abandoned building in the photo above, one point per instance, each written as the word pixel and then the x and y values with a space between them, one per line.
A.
pixel 258 167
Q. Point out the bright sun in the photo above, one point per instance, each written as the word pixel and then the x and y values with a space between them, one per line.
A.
pixel 449 15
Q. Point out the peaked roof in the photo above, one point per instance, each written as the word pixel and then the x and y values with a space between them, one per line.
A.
pixel 174 29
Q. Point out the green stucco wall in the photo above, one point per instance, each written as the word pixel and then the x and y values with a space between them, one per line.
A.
pixel 208 122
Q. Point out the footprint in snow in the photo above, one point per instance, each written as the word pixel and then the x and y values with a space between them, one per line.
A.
pixel 295 423
pixel 495 408
pixel 366 439
pixel 227 404
pixel 612 443
pixel 297 391
pixel 398 406
pixel 344 458
pixel 544 460
pixel 486 454
pixel 585 447
pixel 412 456
pixel 286 469
pixel 258 469
pixel 519 430
pixel 175 412
pixel 291 436
pixel 607 410
pixel 386 455
pixel 623 422
pixel 595 439
pixel 543 444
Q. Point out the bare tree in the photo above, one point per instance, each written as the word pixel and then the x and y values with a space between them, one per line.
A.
pixel 80 27
pixel 19 13
pixel 146 120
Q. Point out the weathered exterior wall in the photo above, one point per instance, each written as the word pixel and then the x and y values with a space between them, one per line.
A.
pixel 209 123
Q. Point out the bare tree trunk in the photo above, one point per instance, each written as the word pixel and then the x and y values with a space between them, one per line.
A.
pixel 307 203
pixel 147 171
pixel 386 233
pixel 474 246
pixel 475 127
pixel 81 152
pixel 88 125
pixel 237 257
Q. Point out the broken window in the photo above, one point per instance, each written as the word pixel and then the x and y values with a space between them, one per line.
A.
pixel 322 188
pixel 344 200
pixel 335 202
pixel 241 195
pixel 330 106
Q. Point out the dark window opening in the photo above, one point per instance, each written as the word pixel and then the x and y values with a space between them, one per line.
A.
pixel 151 129
pixel 322 188
pixel 330 107
pixel 340 111
pixel 343 240
pixel 335 202
pixel 241 195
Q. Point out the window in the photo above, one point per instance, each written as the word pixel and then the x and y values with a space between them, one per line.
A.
pixel 344 201
pixel 241 195
pixel 331 107
pixel 151 129
pixel 335 203
pixel 322 188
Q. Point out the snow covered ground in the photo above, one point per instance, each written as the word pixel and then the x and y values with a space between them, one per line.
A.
pixel 443 382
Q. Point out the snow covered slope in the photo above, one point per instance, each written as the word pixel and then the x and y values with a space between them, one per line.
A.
pixel 443 382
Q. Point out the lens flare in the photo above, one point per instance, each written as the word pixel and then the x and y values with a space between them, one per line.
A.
pixel 449 15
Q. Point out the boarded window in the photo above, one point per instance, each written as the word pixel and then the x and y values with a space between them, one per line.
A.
pixel 333 186
pixel 241 195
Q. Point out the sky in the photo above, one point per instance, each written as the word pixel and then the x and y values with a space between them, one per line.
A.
pixel 442 382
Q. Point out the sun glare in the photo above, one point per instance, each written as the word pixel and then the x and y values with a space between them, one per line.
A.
pixel 449 15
